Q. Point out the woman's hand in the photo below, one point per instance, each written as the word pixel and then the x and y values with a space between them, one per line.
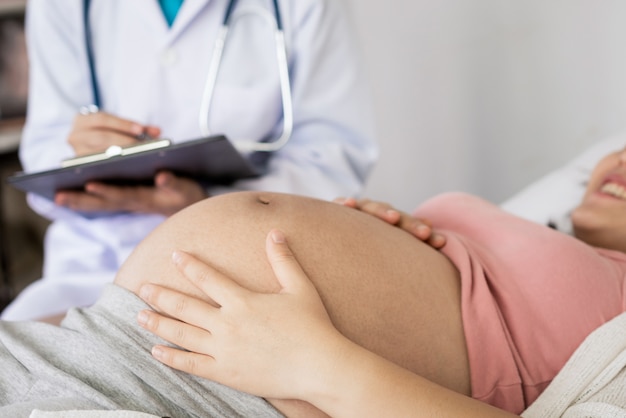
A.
pixel 169 194
pixel 95 132
pixel 420 228
pixel 271 345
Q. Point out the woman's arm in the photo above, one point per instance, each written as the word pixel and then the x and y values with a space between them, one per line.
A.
pixel 283 345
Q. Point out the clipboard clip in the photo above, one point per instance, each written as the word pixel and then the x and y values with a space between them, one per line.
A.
pixel 116 151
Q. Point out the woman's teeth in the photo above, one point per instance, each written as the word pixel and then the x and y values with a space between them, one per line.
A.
pixel 614 189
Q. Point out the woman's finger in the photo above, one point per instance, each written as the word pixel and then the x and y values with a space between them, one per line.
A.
pixel 284 263
pixel 188 362
pixel 381 210
pixel 178 305
pixel 186 335
pixel 419 227
pixel 214 284
pixel 437 241
pixel 347 201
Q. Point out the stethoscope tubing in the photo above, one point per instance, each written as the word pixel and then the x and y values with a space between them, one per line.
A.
pixel 285 84
pixel 95 88
pixel 231 7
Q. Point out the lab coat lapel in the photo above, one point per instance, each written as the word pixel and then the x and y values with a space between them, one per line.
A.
pixel 187 13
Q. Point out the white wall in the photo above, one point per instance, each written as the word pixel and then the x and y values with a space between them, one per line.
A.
pixel 487 95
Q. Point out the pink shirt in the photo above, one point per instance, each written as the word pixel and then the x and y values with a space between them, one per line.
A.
pixel 530 295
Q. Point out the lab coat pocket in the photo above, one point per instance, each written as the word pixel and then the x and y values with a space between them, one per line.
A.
pixel 247 112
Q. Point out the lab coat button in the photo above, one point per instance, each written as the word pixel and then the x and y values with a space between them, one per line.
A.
pixel 169 57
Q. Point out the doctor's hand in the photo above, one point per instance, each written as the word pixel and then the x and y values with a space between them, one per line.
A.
pixel 95 132
pixel 418 227
pixel 169 194
pixel 253 342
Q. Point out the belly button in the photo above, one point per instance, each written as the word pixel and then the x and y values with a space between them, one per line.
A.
pixel 263 199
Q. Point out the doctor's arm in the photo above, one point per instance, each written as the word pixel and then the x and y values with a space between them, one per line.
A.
pixel 333 373
pixel 59 87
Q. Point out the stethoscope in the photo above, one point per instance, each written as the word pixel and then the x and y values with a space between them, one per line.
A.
pixel 229 20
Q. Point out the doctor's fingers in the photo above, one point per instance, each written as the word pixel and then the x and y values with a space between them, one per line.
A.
pixel 166 180
pixel 107 121
pixel 100 197
pixel 146 199
pixel 90 141
pixel 86 202
pixel 173 193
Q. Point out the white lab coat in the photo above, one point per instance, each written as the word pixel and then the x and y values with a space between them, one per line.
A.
pixel 155 74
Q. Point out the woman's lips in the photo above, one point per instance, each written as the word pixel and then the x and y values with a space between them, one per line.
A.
pixel 614 189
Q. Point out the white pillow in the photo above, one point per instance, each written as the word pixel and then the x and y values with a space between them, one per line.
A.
pixel 551 199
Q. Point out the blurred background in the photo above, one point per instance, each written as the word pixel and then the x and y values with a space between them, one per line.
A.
pixel 483 96
pixel 21 230
pixel 486 96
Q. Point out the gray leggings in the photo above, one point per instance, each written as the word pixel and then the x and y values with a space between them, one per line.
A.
pixel 100 359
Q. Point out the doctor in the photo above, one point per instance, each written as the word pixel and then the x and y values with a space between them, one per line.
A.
pixel 150 65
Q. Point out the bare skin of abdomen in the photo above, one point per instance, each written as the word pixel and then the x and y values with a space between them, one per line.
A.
pixel 383 288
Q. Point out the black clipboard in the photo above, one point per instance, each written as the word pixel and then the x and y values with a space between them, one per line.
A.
pixel 211 160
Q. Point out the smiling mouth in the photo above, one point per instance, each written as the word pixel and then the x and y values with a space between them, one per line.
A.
pixel 615 190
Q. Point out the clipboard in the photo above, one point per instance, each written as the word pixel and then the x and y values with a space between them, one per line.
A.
pixel 211 160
